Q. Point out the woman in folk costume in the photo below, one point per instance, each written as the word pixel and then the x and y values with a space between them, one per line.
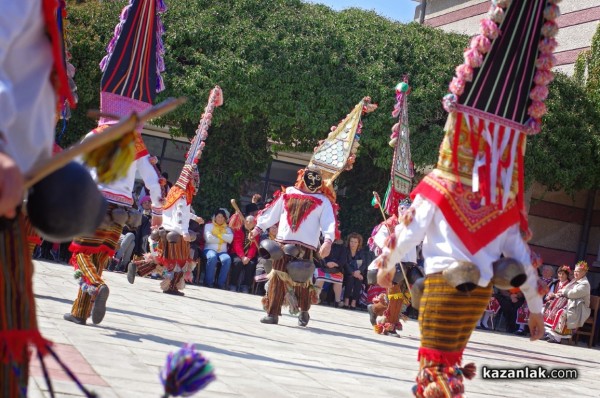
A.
pixel 303 212
pixel 33 80
pixel 470 208
pixel 173 250
pixel 569 308
pixel 130 82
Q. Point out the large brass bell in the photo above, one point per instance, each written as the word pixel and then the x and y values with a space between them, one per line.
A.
pixel 291 250
pixel 462 275
pixel 267 264
pixel 173 237
pixel 508 273
pixel 155 235
pixel 417 292
pixel 134 219
pixel 66 204
pixel 300 270
pixel 119 216
pixel 270 250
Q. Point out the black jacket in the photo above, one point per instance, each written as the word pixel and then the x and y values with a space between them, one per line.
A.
pixel 339 255
pixel 365 256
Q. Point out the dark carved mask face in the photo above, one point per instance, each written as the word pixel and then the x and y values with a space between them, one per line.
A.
pixel 312 180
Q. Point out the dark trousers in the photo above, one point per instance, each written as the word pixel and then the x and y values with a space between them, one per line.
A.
pixel 509 310
pixel 353 287
pixel 242 275
pixel 63 252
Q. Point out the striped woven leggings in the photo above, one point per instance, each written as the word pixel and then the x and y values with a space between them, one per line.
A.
pixel 395 304
pixel 17 308
pixel 91 266
pixel 278 288
pixel 447 317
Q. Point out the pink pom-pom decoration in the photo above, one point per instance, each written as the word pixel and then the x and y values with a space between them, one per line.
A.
pixel 551 12
pixel 547 45
pixel 537 109
pixel 545 62
pixel 496 14
pixel 489 29
pixel 481 44
pixel 473 58
pixel 543 77
pixel 449 102
pixel 396 128
pixel 502 3
pixel 550 29
pixel 539 93
pixel 464 72
pixel 457 86
pixel 533 126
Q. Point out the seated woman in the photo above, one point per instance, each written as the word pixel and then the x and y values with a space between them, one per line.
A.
pixel 569 307
pixel 488 314
pixel 564 277
pixel 356 270
pixel 217 236
pixel 331 270
pixel 549 280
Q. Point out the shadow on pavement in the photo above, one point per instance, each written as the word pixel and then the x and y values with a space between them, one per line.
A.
pixel 122 334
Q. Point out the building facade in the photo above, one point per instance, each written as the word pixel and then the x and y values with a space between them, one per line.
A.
pixel 578 23
pixel 566 228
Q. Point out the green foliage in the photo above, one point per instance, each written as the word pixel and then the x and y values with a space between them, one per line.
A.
pixel 565 155
pixel 289 70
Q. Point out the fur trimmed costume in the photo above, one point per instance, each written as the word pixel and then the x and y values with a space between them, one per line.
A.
pixel 301 217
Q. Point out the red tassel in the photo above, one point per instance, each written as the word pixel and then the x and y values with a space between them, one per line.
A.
pixel 449 358
pixel 469 370
pixel 14 342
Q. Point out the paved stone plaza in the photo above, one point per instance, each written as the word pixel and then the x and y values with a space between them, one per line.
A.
pixel 337 355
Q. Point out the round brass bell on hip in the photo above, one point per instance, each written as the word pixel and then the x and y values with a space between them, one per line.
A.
pixel 508 273
pixel 462 275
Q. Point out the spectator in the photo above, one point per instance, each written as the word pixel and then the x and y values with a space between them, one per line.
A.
pixel 548 274
pixel 166 177
pixel 569 308
pixel 144 230
pixel 217 235
pixel 261 275
pixel 331 270
pixel 356 269
pixel 510 301
pixel 564 277
pixel 124 252
pixel 196 226
pixel 243 254
pixel 255 205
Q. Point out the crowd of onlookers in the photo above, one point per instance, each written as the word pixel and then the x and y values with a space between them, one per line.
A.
pixel 566 304
pixel 229 259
